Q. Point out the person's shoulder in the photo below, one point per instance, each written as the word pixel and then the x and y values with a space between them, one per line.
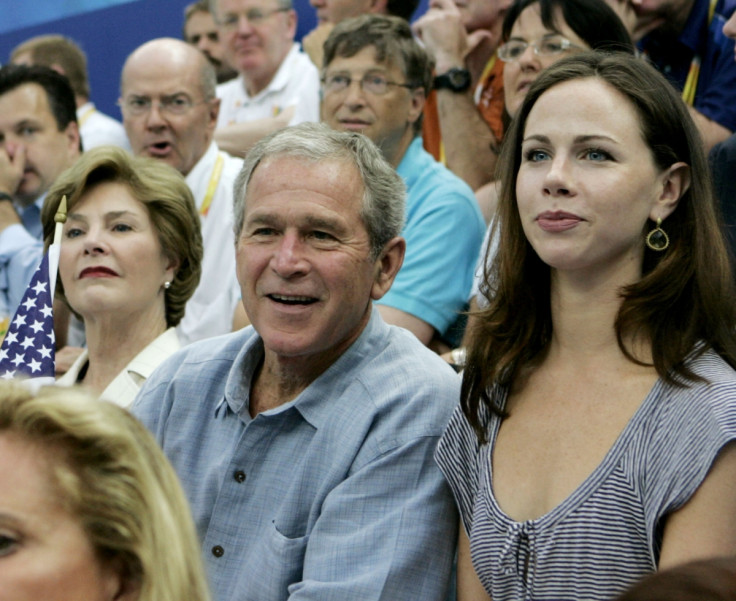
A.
pixel 434 178
pixel 209 355
pixel 714 370
pixel 406 372
pixel 711 396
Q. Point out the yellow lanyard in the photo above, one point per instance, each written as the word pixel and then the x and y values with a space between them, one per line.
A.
pixel 86 116
pixel 212 186
pixel 691 83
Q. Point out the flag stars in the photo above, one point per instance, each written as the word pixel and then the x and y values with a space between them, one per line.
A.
pixel 19 358
pixel 27 341
pixel 29 303
pixel 37 326
pixel 20 320
pixel 46 311
pixel 44 351
pixel 39 287
pixel 35 366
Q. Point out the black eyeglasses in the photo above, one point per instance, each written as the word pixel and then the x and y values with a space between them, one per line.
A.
pixel 373 83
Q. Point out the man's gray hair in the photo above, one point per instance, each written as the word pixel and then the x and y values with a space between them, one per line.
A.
pixel 282 4
pixel 384 192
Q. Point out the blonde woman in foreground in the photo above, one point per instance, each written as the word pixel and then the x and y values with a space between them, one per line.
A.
pixel 90 508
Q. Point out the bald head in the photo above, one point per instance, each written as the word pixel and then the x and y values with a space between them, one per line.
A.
pixel 176 54
pixel 168 102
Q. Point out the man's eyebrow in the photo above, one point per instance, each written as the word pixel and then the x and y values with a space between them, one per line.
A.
pixel 26 123
pixel 323 223
pixel 261 219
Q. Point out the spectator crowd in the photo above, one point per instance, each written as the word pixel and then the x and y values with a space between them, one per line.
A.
pixel 281 254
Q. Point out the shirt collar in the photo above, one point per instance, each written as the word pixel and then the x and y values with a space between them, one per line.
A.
pixel 311 404
pixel 407 167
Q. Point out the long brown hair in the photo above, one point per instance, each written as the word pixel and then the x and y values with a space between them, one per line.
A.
pixel 686 294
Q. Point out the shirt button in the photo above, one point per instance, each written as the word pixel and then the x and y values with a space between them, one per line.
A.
pixel 239 476
pixel 218 551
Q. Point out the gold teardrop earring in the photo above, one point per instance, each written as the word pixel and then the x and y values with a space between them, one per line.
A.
pixel 657 239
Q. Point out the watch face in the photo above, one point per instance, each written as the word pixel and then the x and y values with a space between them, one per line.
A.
pixel 459 78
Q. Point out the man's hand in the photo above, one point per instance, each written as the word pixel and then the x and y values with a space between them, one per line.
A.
pixel 12 164
pixel 442 31
pixel 444 36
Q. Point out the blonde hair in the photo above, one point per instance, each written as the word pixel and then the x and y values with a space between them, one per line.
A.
pixel 111 475
pixel 166 195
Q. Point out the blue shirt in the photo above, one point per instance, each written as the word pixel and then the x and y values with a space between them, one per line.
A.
pixel 715 95
pixel 443 231
pixel 21 250
pixel 332 496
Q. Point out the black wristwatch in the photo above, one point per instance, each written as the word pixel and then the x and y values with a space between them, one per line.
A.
pixel 456 79
pixel 5 196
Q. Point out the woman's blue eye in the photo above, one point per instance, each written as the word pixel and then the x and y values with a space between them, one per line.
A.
pixel 73 232
pixel 121 227
pixel 596 154
pixel 536 155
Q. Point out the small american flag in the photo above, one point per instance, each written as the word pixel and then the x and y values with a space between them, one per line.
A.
pixel 28 348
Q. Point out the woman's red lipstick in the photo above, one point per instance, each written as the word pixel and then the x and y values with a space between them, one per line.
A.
pixel 97 272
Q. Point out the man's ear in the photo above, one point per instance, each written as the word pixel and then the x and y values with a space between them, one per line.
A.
pixel 387 265
pixel 73 138
pixel 418 100
pixel 292 21
pixel 675 182
pixel 213 111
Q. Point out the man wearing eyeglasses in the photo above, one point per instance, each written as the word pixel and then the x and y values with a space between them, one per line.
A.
pixel 277 84
pixel 375 81
pixel 169 112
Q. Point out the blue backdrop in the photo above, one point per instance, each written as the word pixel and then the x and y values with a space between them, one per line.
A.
pixel 107 30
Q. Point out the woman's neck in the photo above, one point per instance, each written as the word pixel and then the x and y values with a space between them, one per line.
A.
pixel 584 317
pixel 113 341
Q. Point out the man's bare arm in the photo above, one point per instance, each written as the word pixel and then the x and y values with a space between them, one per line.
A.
pixel 421 329
pixel 470 146
pixel 238 138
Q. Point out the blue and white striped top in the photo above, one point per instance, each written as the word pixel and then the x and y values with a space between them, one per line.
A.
pixel 608 532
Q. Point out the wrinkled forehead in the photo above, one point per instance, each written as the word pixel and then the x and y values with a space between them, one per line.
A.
pixel 368 56
pixel 156 78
